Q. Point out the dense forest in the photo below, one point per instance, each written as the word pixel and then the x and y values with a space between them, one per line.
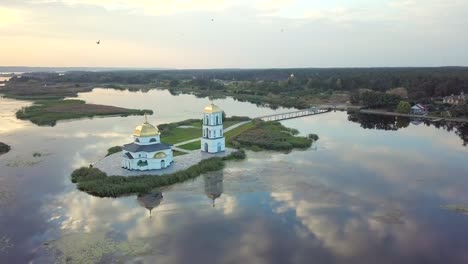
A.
pixel 285 87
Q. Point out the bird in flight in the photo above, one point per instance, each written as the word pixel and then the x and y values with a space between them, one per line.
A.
pixel 98 42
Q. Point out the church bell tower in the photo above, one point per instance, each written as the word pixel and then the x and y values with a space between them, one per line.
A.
pixel 213 133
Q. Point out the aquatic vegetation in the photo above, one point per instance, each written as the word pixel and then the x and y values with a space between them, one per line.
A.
pixel 48 112
pixel 457 208
pixel 20 162
pixel 176 153
pixel 314 137
pixel 4 148
pixel 91 248
pixel 269 136
pixel 5 243
pixel 98 183
pixel 394 217
pixel 113 150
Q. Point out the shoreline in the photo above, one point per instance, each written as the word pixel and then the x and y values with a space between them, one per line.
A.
pixel 431 118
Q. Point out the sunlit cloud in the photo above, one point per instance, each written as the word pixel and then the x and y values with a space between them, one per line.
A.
pixel 8 17
pixel 233 33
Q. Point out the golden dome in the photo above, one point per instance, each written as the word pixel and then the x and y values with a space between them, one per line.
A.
pixel 160 155
pixel 146 130
pixel 212 108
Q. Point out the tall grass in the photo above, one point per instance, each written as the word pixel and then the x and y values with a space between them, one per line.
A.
pixel 39 112
pixel 97 183
pixel 4 148
pixel 268 136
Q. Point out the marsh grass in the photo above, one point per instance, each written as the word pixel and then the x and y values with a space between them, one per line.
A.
pixel 97 183
pixel 113 150
pixel 4 148
pixel 48 112
pixel 259 135
pixel 457 208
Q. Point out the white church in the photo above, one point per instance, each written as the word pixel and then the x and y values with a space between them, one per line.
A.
pixel 147 152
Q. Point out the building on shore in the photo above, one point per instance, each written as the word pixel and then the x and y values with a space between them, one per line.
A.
pixel 213 140
pixel 456 99
pixel 146 152
pixel 419 109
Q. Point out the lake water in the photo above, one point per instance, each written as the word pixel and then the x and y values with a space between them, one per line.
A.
pixel 357 196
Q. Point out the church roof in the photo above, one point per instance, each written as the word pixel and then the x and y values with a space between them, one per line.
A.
pixel 212 108
pixel 146 130
pixel 132 147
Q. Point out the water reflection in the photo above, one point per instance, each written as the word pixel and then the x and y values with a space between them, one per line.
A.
pixel 150 200
pixel 361 196
pixel 379 121
pixel 214 185
pixel 394 123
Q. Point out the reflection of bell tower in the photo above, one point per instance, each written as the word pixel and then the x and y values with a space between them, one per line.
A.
pixel 214 185
pixel 150 200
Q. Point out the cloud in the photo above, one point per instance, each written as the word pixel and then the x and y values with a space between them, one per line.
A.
pixel 255 33
pixel 9 16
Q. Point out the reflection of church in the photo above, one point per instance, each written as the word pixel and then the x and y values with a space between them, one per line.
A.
pixel 213 185
pixel 150 200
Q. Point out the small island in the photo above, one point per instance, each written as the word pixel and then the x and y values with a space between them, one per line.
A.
pixel 48 112
pixel 175 152
pixel 4 148
pixel 50 104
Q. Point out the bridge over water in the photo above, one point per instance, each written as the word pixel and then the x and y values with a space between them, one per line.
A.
pixel 295 114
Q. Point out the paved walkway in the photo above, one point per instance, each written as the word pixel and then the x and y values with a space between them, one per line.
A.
pixel 111 164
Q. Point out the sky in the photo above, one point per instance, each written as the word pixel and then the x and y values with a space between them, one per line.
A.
pixel 233 33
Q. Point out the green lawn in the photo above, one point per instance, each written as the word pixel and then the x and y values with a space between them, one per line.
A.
pixel 176 153
pixel 177 135
pixel 191 146
pixel 173 133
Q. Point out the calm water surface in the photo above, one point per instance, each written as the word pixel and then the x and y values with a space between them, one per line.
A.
pixel 357 196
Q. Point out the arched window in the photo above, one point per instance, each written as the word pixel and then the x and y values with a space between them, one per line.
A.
pixel 221 132
pixel 217 119
pixel 153 140
pixel 137 140
pixel 163 164
pixel 206 132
